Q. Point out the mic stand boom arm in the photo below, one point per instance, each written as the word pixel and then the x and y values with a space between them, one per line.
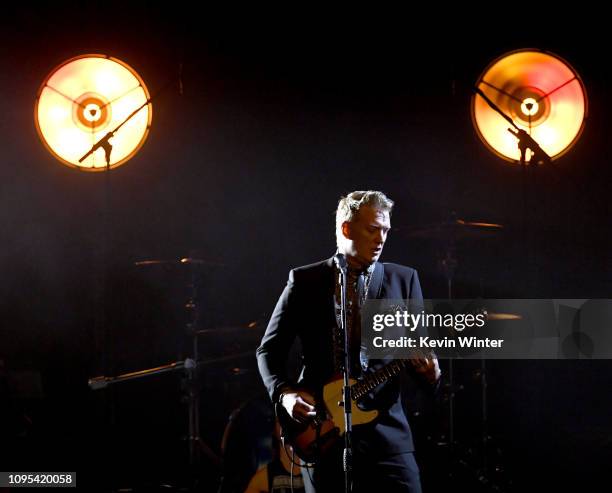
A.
pixel 525 141
pixel 104 141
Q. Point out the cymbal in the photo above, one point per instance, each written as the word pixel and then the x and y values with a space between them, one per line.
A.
pixel 250 329
pixel 178 262
pixel 237 371
pixel 472 224
pixel 455 229
pixel 503 316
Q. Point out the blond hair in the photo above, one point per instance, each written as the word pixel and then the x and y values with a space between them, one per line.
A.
pixel 349 206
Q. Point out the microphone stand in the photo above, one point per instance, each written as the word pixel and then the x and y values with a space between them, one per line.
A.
pixel 538 156
pixel 347 457
pixel 104 142
pixel 525 141
pixel 103 335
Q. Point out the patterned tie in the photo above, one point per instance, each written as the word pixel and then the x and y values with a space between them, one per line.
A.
pixel 356 287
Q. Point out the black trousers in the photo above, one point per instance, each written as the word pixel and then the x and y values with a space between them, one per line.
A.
pixel 393 473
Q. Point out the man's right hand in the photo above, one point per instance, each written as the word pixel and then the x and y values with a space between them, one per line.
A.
pixel 299 404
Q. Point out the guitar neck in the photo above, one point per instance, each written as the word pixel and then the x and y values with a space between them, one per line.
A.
pixel 361 388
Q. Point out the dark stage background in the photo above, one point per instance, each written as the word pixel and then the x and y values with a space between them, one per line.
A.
pixel 277 119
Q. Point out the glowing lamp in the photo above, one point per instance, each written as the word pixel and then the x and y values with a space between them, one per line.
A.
pixel 542 94
pixel 85 98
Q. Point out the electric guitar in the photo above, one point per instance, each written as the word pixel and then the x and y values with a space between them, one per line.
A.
pixel 315 437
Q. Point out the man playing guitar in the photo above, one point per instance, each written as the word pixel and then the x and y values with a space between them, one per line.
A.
pixel 383 450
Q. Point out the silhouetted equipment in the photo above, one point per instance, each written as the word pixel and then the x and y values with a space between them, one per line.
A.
pixel 228 353
pixel 540 96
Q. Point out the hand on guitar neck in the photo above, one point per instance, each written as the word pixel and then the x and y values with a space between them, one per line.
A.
pixel 428 367
pixel 299 404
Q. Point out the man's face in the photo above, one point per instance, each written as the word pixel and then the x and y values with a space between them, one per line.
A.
pixel 366 235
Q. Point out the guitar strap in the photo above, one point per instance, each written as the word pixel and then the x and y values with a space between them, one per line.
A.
pixel 376 282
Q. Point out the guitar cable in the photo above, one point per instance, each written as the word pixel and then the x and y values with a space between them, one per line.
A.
pixel 291 474
pixel 307 465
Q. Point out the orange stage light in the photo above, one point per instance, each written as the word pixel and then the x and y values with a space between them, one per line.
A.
pixel 542 94
pixel 82 100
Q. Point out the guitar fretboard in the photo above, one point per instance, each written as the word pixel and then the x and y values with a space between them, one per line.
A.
pixel 361 388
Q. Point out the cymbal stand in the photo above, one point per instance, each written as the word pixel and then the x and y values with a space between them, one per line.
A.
pixel 190 384
pixel 191 380
pixel 448 265
pixel 485 414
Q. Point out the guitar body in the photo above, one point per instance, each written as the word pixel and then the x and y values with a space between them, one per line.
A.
pixel 313 438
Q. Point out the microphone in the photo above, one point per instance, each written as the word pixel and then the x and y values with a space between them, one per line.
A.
pixel 340 261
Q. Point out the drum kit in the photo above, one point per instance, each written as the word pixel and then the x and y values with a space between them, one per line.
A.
pixel 226 351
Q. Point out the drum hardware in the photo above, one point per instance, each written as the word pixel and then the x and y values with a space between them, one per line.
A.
pixel 101 382
pixel 192 365
pixel 448 233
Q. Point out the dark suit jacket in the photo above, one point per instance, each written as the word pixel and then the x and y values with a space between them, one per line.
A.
pixel 305 309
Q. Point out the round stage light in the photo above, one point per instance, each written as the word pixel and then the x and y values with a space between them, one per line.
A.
pixel 541 93
pixel 85 98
